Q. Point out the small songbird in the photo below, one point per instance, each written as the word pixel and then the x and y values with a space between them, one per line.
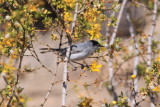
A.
pixel 78 51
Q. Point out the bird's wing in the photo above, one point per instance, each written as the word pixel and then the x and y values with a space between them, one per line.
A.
pixel 76 49
pixel 80 47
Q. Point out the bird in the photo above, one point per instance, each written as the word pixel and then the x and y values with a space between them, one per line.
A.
pixel 78 51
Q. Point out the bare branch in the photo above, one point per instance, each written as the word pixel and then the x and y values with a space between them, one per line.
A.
pixel 142 5
pixel 150 38
pixel 50 89
pixel 118 22
pixel 136 61
pixel 83 8
pixel 65 73
pixel 110 62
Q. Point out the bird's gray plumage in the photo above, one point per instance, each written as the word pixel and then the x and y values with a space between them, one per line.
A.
pixel 78 51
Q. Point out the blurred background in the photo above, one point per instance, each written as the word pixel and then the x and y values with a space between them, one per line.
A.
pixel 85 88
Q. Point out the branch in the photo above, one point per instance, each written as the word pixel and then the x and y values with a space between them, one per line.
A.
pixel 118 22
pixel 108 28
pixel 50 89
pixel 34 55
pixel 74 19
pixel 19 66
pixel 110 62
pixel 150 36
pixel 54 75
pixel 84 8
pixel 136 61
pixel 65 73
pixel 142 5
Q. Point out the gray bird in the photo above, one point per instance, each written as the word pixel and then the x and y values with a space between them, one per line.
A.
pixel 78 51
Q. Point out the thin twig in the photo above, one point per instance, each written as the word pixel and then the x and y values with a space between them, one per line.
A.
pixel 50 89
pixel 55 73
pixel 20 64
pixel 84 8
pixel 34 54
pixel 142 5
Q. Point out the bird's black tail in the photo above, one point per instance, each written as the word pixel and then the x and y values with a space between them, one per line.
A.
pixel 45 50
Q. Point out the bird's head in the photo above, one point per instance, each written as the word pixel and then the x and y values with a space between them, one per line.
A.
pixel 95 43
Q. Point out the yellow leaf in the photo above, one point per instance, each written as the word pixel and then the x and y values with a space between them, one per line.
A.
pixel 113 102
pixel 97 36
pixel 103 48
pixel 158 58
pixel 95 67
pixel 22 100
pixel 133 76
pixel 4 70
pixel 1 1
pixel 8 68
pixel 68 16
pixel 156 88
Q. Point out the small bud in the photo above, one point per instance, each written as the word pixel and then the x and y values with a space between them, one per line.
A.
pixel 94 6
pixel 151 85
pixel 7 35
pixel 98 5
pixel 8 17
pixel 11 51
pixel 143 97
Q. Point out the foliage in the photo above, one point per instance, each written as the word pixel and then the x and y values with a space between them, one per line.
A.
pixel 85 102
pixel 22 20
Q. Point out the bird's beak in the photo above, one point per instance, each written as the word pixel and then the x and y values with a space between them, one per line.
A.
pixel 101 46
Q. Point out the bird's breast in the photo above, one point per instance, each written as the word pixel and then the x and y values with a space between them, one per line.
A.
pixel 79 56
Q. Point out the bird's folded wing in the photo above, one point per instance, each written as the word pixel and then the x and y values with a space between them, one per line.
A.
pixel 76 49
